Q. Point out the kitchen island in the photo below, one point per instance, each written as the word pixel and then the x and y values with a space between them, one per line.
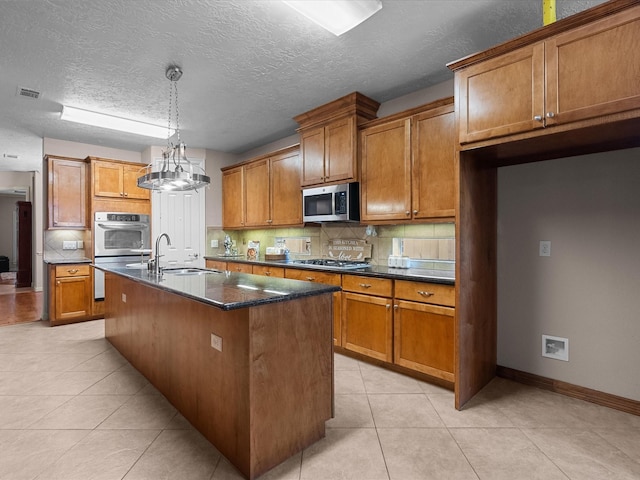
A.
pixel 248 360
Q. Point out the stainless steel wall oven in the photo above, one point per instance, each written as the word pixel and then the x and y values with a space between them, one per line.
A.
pixel 116 237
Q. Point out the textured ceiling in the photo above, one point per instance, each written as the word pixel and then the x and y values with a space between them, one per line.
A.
pixel 249 65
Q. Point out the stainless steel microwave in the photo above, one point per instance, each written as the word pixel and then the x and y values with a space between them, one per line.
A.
pixel 332 203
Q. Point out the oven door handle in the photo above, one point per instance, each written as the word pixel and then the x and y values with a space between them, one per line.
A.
pixel 122 226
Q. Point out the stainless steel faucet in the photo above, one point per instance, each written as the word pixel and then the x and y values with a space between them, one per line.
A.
pixel 156 262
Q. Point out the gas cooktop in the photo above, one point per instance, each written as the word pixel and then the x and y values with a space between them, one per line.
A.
pixel 331 263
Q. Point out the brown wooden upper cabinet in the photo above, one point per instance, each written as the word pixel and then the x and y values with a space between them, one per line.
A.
pixel 329 139
pixel 408 165
pixel 117 180
pixel 67 193
pixel 263 192
pixel 577 74
pixel 233 197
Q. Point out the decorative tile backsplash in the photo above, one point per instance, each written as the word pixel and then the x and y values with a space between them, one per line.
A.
pixel 54 242
pixel 433 244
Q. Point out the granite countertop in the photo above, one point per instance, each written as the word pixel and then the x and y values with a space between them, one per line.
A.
pixel 66 261
pixel 380 271
pixel 226 290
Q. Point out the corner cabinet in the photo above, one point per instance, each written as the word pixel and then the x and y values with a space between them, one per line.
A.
pixel 408 165
pixel 263 192
pixel 328 278
pixel 70 293
pixel 67 193
pixel 563 79
pixel 329 139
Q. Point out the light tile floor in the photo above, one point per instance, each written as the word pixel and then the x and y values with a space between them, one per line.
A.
pixel 72 408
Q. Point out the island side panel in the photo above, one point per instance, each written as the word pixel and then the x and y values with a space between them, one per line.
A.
pixel 265 396
pixel 291 351
pixel 167 337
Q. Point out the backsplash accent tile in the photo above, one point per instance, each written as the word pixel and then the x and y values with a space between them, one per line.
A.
pixel 442 247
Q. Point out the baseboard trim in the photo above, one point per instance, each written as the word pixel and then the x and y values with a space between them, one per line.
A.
pixel 594 396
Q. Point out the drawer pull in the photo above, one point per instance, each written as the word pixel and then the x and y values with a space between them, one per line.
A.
pixel 538 118
pixel 388 306
pixel 267 273
pixel 395 307
pixel 425 294
pixel 311 278
pixel 72 270
pixel 365 285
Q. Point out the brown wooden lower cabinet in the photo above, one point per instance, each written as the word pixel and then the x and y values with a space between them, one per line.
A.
pixel 423 337
pixel 367 325
pixel 70 293
pixel 323 277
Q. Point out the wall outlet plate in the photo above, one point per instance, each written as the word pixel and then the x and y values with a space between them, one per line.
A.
pixel 216 342
pixel 214 243
pixel 69 245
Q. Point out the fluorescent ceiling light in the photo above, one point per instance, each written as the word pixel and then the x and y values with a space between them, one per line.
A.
pixel 337 16
pixel 86 117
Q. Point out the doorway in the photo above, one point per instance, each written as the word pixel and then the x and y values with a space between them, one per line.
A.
pixel 19 302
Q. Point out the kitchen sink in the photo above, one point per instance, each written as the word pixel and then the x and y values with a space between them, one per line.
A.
pixel 188 271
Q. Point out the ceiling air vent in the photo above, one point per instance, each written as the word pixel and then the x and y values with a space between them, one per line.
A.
pixel 28 92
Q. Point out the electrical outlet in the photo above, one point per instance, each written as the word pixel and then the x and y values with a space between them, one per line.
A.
pixel 545 248
pixel 214 243
pixel 69 245
pixel 216 342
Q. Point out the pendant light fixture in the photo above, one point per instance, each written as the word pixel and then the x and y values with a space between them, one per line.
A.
pixel 176 171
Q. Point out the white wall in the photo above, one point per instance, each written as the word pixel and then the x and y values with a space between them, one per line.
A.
pixel 411 100
pixel 52 146
pixel 588 289
pixel 214 161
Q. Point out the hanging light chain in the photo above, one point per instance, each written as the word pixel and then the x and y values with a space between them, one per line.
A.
pixel 169 114
pixel 175 87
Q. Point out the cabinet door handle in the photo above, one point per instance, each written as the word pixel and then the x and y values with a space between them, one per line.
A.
pixel 72 270
pixel 269 221
pixel 538 118
pixel 311 278
pixel 267 274
pixel 121 194
pixel 415 212
pixel 395 307
pixel 126 194
pixel 424 293
pixel 365 285
pixel 550 114
pixel 388 306
pixel 407 213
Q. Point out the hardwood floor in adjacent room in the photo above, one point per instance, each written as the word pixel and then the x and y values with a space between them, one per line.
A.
pixel 18 305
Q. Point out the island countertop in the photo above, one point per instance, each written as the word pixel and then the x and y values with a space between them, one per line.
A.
pixel 226 290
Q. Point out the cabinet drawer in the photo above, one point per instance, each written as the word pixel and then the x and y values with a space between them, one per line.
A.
pixel 72 270
pixel 426 292
pixel 368 285
pixel 268 271
pixel 313 276
pixel 240 267
pixel 216 264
